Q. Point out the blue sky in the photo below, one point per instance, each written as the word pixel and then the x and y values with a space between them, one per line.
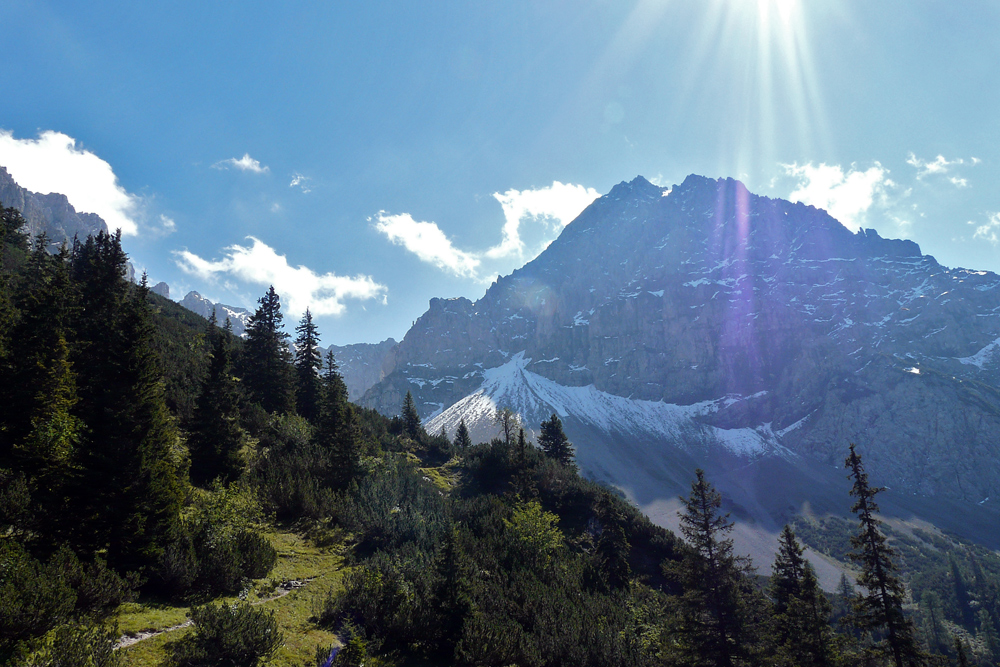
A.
pixel 367 157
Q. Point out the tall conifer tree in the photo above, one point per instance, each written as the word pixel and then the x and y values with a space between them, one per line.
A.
pixel 308 363
pixel 554 442
pixel 130 494
pixel 719 623
pixel 462 438
pixel 411 418
pixel 337 431
pixel 879 606
pixel 216 436
pixel 800 609
pixel 267 361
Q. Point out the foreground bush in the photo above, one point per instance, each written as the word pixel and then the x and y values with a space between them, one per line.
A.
pixel 237 635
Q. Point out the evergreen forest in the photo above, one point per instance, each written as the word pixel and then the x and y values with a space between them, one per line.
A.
pixel 148 458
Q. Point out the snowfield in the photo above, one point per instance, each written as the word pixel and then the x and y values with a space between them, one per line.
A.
pixel 535 398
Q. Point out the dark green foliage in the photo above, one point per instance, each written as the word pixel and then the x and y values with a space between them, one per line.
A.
pixel 13 240
pixel 879 607
pixel 128 494
pixel 76 645
pixel 237 635
pixel 180 345
pixel 801 611
pixel 267 363
pixel 221 549
pixel 613 548
pixel 719 607
pixel 485 578
pixel 337 433
pixel 462 438
pixel 411 419
pixel 307 366
pixel 554 442
pixel 216 437
pixel 33 597
pixel 354 651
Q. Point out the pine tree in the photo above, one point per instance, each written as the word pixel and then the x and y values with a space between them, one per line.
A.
pixel 216 437
pixel 719 626
pixel 612 547
pixel 337 431
pixel 801 610
pixel 462 438
pixel 879 607
pixel 267 367
pixel 130 491
pixel 411 419
pixel 308 363
pixel 554 442
pixel 45 302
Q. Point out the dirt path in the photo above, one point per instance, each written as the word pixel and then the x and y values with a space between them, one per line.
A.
pixel 284 589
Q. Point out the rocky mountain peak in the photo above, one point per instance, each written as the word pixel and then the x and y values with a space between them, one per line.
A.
pixel 707 320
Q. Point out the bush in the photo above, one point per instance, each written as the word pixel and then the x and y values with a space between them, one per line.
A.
pixel 33 597
pixel 237 635
pixel 80 646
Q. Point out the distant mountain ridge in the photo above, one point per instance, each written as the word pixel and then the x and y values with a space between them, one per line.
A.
pixel 704 325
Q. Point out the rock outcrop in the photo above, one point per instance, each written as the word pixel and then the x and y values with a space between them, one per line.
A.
pixel 49 213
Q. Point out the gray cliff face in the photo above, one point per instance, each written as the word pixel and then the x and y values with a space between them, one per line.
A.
pixel 361 364
pixel 50 213
pixel 706 291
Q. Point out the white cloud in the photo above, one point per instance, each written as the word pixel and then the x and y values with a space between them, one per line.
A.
pixel 245 163
pixel 558 203
pixel 167 225
pixel 54 163
pixel 940 166
pixel 428 242
pixel 552 208
pixel 846 196
pixel 300 181
pixel 299 287
pixel 989 231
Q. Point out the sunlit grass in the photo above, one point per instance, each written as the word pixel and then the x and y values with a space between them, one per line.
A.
pixel 321 569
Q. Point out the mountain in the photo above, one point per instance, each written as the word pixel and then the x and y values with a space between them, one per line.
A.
pixel 196 303
pixel 50 213
pixel 703 325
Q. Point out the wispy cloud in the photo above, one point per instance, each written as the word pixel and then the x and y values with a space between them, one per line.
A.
pixel 428 242
pixel 301 182
pixel 245 163
pixel 54 163
pixel 846 195
pixel 554 206
pixel 549 209
pixel 299 287
pixel 167 226
pixel 940 166
pixel 990 231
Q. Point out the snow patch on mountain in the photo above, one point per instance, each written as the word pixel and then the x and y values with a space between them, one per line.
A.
pixel 535 398
pixel 984 356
